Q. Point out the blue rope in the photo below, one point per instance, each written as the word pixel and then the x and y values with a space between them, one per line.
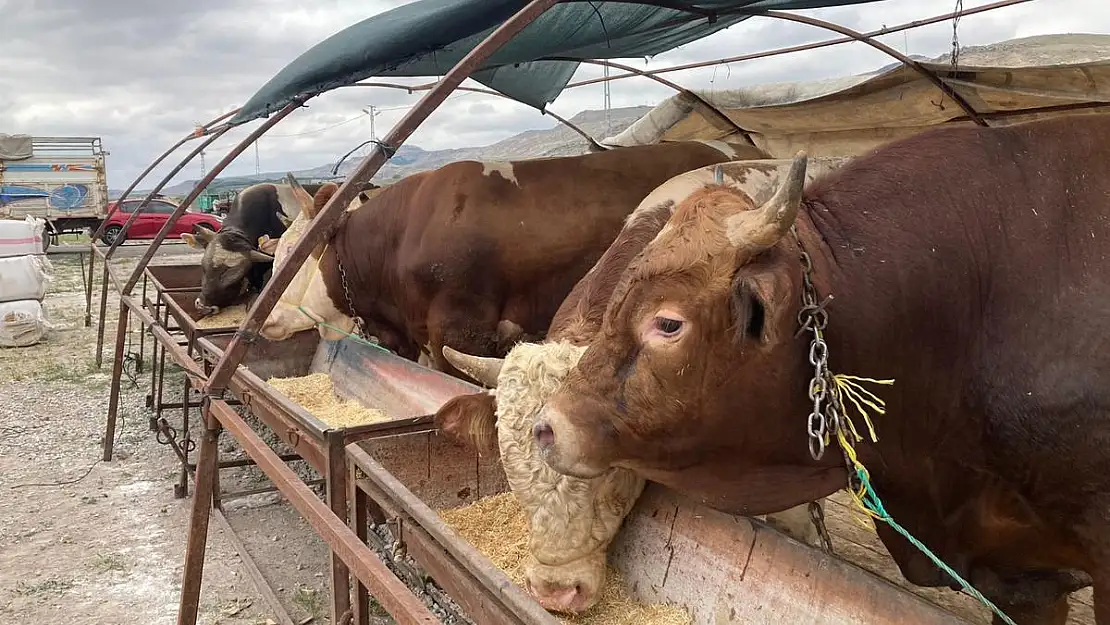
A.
pixel 875 505
pixel 353 337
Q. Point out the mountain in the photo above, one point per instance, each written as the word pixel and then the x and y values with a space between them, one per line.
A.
pixel 410 159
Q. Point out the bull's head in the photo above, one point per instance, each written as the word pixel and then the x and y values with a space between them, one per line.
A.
pixel 305 303
pixel 571 521
pixel 228 258
pixel 694 358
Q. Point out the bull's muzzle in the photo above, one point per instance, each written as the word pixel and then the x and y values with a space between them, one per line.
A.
pixel 205 311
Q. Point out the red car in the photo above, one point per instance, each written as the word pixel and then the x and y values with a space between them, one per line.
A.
pixel 151 220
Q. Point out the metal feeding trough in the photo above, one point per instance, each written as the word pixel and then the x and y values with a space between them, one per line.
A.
pixel 722 568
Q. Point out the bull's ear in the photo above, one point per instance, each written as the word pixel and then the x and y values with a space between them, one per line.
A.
pixel 470 420
pixel 199 238
pixel 323 194
pixel 761 304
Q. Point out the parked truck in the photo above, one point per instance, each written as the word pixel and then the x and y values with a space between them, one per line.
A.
pixel 61 180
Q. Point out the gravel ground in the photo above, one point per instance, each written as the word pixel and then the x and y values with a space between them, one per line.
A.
pixel 88 542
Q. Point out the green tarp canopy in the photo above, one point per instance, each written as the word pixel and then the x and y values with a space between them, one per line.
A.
pixel 427 37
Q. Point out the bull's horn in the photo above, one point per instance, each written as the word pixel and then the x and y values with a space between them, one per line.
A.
pixel 261 257
pixel 761 229
pixel 481 368
pixel 291 180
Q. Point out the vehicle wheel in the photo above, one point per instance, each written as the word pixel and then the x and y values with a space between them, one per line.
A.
pixel 110 234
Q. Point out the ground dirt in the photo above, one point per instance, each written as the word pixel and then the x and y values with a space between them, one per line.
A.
pixel 85 542
pixel 90 542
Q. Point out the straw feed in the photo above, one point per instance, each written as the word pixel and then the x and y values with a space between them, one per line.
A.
pixel 229 317
pixel 496 526
pixel 316 395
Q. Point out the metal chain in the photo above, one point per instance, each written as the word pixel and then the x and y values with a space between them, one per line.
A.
pixel 825 414
pixel 347 294
pixel 817 516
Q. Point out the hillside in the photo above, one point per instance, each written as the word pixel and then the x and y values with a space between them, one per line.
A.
pixel 410 159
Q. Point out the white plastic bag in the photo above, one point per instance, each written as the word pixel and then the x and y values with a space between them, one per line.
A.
pixel 23 277
pixel 22 323
pixel 19 238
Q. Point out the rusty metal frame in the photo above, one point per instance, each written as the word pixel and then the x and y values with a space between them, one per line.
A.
pixel 198 132
pixel 106 255
pixel 435 546
pixel 886 30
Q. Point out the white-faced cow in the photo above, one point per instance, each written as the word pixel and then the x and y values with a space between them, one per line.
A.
pixel 571 521
pixel 477 255
pixel 233 264
pixel 970 265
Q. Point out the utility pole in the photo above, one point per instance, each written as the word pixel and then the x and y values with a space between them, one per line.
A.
pixel 608 102
pixel 373 112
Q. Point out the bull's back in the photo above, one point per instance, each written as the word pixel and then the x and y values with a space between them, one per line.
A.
pixel 550 213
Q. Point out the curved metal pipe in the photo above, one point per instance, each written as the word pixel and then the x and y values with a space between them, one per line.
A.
pixel 698 100
pixel 594 145
pixel 882 47
pixel 198 132
pixel 157 188
pixel 807 46
pixel 202 185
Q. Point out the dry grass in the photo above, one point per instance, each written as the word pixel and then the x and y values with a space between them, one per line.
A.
pixel 496 526
pixel 229 317
pixel 316 394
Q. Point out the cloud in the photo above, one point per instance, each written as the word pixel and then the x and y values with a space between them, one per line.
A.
pixel 140 74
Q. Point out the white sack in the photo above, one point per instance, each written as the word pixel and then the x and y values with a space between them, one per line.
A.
pixel 23 277
pixel 22 323
pixel 19 238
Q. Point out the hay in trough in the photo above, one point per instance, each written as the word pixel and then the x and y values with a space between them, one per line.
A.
pixel 497 527
pixel 315 393
pixel 229 317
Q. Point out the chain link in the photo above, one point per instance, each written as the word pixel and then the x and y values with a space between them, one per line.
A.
pixel 350 301
pixel 817 516
pixel 824 416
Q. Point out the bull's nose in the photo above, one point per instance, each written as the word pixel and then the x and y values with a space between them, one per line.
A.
pixel 544 435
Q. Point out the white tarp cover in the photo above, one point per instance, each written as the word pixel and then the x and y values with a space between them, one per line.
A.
pixel 1005 82
pixel 22 323
pixel 15 147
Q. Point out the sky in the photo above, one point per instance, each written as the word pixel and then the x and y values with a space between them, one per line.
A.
pixel 141 73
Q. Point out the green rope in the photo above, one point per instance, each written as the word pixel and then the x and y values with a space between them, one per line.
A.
pixel 875 505
pixel 353 337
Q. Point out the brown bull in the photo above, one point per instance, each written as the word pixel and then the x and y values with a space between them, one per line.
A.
pixel 476 255
pixel 970 265
pixel 571 521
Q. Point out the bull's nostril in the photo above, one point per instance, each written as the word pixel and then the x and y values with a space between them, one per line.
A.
pixel 545 436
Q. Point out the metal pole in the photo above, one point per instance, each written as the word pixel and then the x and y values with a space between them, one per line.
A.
pixel 806 46
pixel 201 186
pixel 322 226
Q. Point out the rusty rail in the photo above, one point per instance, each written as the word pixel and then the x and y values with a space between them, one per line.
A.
pixel 390 591
pixel 492 579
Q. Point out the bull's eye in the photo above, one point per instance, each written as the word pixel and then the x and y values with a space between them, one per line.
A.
pixel 666 326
